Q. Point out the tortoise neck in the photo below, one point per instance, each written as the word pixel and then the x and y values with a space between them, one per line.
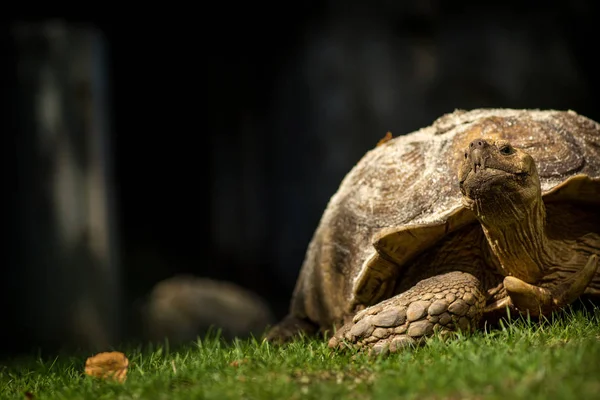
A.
pixel 521 246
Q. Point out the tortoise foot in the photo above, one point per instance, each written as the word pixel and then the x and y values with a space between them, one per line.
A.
pixel 289 328
pixel 443 303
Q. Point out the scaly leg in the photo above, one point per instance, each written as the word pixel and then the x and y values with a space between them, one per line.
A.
pixel 448 302
pixel 543 299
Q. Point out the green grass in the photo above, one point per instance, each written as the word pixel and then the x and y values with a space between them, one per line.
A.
pixel 555 359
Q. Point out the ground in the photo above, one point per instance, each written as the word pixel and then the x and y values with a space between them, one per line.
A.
pixel 558 359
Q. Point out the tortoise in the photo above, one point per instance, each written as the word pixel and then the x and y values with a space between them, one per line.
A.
pixel 440 230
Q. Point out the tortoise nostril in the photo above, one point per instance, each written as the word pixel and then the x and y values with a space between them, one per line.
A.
pixel 478 144
pixel 476 154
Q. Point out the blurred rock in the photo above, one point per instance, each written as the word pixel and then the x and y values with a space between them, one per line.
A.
pixel 184 307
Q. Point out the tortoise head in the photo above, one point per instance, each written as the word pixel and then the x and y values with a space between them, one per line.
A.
pixel 498 181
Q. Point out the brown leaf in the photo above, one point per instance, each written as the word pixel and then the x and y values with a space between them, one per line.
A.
pixel 110 365
pixel 237 363
pixel 386 138
pixel 29 396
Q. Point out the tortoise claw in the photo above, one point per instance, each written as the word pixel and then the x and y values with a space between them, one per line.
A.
pixel 543 300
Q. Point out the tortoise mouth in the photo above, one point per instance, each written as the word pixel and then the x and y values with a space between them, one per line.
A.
pixel 482 182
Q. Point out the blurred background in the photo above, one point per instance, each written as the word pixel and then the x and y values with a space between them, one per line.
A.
pixel 166 173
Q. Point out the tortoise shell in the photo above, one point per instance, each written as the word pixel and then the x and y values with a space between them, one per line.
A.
pixel 403 196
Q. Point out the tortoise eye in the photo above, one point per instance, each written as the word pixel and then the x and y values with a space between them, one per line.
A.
pixel 507 150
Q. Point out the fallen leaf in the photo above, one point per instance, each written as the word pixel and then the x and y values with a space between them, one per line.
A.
pixel 386 138
pixel 29 396
pixel 109 365
pixel 237 363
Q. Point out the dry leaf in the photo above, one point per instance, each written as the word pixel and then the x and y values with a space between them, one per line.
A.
pixel 387 137
pixel 237 363
pixel 112 365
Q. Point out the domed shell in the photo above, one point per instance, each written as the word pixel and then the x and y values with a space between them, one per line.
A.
pixel 403 196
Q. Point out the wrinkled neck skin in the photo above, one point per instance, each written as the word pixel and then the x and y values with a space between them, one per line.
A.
pixel 515 231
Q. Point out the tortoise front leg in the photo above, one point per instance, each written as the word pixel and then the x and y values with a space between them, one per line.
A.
pixel 552 295
pixel 448 302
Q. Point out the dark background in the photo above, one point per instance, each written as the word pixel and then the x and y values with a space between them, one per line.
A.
pixel 232 127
